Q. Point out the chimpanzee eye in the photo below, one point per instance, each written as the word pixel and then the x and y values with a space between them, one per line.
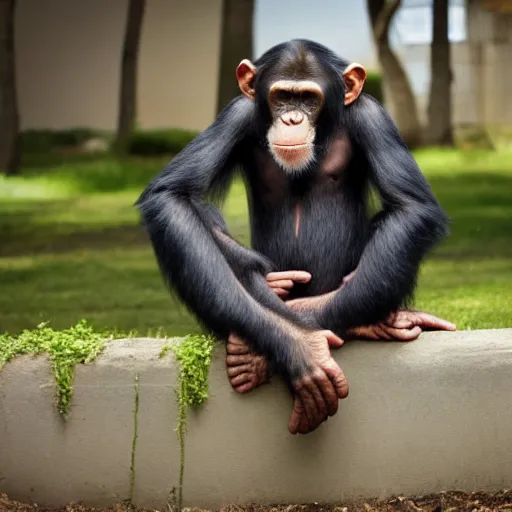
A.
pixel 283 96
pixel 308 97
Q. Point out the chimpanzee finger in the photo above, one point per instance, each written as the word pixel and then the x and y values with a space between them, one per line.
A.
pixel 238 360
pixel 245 387
pixel 313 413
pixel 404 334
pixel 240 379
pixel 338 379
pixel 381 332
pixel 238 349
pixel 364 333
pixel 321 402
pixel 400 321
pixel 390 320
pixel 298 417
pixel 235 370
pixel 281 292
pixel 333 340
pixel 328 392
pixel 281 283
pixel 432 322
pixel 234 339
pixel 299 276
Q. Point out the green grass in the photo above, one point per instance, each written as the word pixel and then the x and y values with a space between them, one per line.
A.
pixel 71 246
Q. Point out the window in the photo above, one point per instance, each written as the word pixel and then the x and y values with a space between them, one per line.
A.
pixel 413 22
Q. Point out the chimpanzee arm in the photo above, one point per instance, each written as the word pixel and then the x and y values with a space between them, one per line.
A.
pixel 187 251
pixel 249 266
pixel 409 225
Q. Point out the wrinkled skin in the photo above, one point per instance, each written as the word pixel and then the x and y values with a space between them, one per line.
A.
pixel 248 370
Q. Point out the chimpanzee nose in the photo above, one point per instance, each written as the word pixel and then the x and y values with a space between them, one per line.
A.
pixel 292 118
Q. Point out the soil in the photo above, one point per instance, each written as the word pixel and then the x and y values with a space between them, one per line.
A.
pixel 441 502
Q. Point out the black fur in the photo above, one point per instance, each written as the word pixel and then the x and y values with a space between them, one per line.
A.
pixel 223 283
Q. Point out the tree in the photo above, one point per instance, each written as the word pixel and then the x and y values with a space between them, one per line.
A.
pixel 439 130
pixel 9 117
pixel 397 89
pixel 236 44
pixel 129 65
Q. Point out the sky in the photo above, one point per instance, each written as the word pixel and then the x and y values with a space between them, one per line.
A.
pixel 343 25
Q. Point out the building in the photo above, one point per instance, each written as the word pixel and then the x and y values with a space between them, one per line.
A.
pixel 68 56
pixel 481 37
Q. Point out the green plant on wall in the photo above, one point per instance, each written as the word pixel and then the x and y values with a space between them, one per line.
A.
pixel 193 354
pixel 66 349
pixel 81 344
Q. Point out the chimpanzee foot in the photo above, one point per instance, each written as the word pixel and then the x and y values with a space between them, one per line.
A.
pixel 246 370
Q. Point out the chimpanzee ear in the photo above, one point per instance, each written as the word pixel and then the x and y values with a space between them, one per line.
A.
pixel 354 77
pixel 245 73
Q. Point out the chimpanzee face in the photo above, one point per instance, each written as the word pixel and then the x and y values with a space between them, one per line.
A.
pixel 294 91
pixel 295 106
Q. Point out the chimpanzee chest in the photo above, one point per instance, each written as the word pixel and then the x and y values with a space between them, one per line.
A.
pixel 274 187
pixel 315 222
pixel 336 160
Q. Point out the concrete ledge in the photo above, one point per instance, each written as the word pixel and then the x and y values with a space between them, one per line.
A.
pixel 427 416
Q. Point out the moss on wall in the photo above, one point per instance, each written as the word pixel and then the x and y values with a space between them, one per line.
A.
pixel 66 349
pixel 193 354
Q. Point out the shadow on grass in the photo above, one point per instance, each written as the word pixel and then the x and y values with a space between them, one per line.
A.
pixel 67 225
pixel 479 206
pixel 95 173
pixel 99 239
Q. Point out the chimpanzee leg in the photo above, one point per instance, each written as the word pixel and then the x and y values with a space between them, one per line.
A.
pixel 248 370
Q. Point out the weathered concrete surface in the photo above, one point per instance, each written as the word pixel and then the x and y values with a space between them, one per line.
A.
pixel 425 416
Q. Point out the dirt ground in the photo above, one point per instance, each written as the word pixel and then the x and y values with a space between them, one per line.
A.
pixel 442 502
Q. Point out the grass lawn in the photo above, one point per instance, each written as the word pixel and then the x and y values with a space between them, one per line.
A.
pixel 71 246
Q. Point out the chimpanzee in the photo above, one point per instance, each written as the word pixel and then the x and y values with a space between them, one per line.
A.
pixel 309 145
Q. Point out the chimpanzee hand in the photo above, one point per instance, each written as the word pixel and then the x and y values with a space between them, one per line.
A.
pixel 246 368
pixel 383 331
pixel 309 308
pixel 402 326
pixel 404 319
pixel 319 388
pixel 282 282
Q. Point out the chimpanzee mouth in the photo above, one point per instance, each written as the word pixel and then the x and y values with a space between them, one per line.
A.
pixel 292 148
pixel 293 158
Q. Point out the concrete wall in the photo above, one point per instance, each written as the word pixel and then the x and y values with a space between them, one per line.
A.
pixel 489 21
pixel 482 80
pixel 421 417
pixel 481 66
pixel 68 62
pixel 490 41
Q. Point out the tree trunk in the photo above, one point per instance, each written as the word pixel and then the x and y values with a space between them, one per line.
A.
pixel 236 44
pixel 439 130
pixel 129 63
pixel 397 89
pixel 10 150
